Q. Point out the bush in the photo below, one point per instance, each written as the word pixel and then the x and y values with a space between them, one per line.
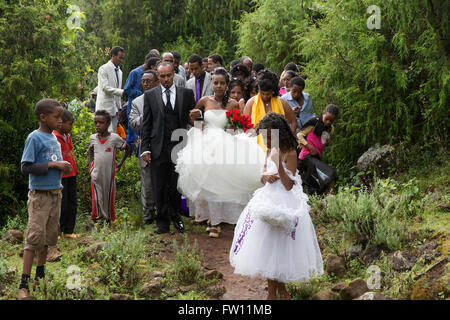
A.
pixel 304 290
pixel 391 84
pixel 55 288
pixel 3 269
pixel 187 262
pixel 18 221
pixel 371 218
pixel 120 259
pixel 31 53
pixel 267 33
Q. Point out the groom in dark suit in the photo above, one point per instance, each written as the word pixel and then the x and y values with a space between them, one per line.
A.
pixel 166 109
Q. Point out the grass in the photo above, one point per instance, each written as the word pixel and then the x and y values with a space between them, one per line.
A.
pixel 400 213
pixel 125 264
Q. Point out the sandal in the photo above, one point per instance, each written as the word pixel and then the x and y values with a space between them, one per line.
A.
pixel 72 236
pixel 214 232
pixel 208 228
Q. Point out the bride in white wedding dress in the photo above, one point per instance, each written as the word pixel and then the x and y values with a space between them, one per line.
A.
pixel 218 170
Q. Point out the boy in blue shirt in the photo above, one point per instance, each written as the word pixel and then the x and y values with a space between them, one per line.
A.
pixel 300 102
pixel 42 160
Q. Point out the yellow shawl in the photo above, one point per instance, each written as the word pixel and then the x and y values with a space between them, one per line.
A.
pixel 258 112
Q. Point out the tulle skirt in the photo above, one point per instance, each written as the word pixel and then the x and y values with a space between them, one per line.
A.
pixel 217 166
pixel 216 212
pixel 275 238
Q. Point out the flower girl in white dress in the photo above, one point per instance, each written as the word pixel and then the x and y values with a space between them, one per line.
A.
pixel 274 237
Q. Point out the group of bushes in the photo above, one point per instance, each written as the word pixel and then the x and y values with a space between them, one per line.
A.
pixel 371 218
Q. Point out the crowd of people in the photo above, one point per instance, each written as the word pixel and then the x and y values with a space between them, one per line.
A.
pixel 264 198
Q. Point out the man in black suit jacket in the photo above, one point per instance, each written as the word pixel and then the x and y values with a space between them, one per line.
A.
pixel 166 109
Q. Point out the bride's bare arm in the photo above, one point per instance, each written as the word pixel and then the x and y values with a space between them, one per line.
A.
pixel 198 109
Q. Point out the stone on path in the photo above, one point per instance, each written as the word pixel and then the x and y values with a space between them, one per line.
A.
pixel 92 250
pixel 53 254
pixel 215 291
pixel 380 159
pixel 213 274
pixel 118 296
pixel 355 289
pixel 428 251
pixel 188 288
pixel 157 274
pixel 335 264
pixel 86 241
pixel 372 296
pixel 377 160
pixel 371 254
pixel 403 260
pixel 13 236
pixel 339 286
pixel 325 295
pixel 152 289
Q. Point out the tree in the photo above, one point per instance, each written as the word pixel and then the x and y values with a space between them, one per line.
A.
pixel 267 34
pixel 33 54
pixel 391 83
pixel 139 26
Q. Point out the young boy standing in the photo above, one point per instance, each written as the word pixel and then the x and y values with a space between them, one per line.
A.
pixel 69 181
pixel 42 160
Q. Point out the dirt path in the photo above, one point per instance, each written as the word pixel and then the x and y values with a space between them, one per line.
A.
pixel 216 256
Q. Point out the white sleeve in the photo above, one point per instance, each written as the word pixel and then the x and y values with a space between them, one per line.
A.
pixel 104 85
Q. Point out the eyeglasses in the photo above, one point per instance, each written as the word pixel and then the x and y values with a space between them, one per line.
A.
pixel 147 80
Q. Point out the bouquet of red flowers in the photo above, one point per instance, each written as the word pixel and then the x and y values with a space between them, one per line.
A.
pixel 237 120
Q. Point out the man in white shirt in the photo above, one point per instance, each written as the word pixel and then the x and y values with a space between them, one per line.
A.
pixel 109 86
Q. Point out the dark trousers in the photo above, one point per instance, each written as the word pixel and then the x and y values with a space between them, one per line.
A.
pixel 68 205
pixel 317 175
pixel 165 192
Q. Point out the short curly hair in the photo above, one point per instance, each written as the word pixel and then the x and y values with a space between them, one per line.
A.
pixel 275 121
pixel 267 81
pixel 104 113
pixel 45 106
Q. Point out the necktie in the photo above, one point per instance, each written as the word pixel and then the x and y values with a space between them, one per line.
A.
pixel 197 85
pixel 168 103
pixel 117 75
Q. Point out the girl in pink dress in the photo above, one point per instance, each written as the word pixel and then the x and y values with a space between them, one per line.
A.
pixel 314 137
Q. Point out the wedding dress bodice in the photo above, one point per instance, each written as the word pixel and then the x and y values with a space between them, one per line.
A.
pixel 216 118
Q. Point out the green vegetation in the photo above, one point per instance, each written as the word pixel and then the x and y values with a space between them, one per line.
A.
pixel 391 85
pixel 187 262
pixel 399 214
